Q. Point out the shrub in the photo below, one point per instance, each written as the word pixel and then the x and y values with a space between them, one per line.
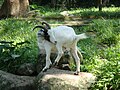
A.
pixel 18 44
pixel 11 55
pixel 102 53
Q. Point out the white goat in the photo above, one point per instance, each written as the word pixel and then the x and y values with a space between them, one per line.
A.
pixel 61 37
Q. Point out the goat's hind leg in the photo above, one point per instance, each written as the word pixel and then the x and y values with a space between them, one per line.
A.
pixel 77 59
pixel 79 54
pixel 60 53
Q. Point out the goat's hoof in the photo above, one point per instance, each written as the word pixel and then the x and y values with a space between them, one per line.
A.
pixel 77 73
pixel 55 42
pixel 50 66
pixel 55 64
pixel 45 70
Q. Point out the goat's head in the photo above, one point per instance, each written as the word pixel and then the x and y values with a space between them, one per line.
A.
pixel 43 32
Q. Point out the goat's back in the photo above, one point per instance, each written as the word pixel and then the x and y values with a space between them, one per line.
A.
pixel 62 34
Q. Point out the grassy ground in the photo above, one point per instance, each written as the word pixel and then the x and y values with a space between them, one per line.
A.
pixel 101 53
pixel 111 12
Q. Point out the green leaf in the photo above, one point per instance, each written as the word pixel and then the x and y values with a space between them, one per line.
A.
pixel 15 56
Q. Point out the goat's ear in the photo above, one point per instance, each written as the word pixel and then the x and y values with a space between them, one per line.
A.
pixel 47 25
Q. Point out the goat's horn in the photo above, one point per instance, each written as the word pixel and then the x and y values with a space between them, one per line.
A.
pixel 40 27
pixel 47 25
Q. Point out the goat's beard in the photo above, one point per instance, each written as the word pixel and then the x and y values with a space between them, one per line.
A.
pixel 40 39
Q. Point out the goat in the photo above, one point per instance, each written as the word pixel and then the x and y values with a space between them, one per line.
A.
pixel 60 37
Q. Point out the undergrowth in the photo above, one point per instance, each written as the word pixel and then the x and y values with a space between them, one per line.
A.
pixel 102 53
pixel 111 12
pixel 17 43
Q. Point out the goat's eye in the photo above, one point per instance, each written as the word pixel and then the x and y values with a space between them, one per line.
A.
pixel 39 33
pixel 42 30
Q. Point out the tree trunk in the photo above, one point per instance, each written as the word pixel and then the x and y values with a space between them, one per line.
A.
pixel 14 8
pixel 105 2
pixel 100 5
pixel 53 3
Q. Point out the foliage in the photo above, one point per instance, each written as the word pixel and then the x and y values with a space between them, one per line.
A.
pixel 108 13
pixel 107 69
pixel 45 11
pixel 106 30
pixel 102 53
pixel 10 55
pixel 76 3
pixel 17 43
pixel 111 12
pixel 1 1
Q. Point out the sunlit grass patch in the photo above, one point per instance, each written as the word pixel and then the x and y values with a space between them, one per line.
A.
pixel 107 12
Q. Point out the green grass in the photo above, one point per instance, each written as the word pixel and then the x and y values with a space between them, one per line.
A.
pixel 107 12
pixel 46 11
pixel 102 53
pixel 24 43
pixel 110 12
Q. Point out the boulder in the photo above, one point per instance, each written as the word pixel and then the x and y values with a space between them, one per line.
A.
pixel 27 69
pixel 56 79
pixel 53 79
pixel 14 82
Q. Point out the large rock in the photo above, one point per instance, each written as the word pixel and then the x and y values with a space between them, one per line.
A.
pixel 56 79
pixel 53 79
pixel 13 82
pixel 27 69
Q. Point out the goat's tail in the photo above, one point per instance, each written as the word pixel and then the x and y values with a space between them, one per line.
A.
pixel 81 36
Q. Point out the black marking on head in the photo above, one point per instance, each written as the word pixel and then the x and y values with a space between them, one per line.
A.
pixel 43 32
pixel 40 33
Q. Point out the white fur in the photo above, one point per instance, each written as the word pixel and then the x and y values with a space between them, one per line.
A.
pixel 61 37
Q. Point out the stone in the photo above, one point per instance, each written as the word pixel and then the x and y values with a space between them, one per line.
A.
pixel 53 79
pixel 10 81
pixel 27 69
pixel 56 79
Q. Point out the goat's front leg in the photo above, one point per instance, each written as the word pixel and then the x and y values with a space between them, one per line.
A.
pixel 48 61
pixel 60 53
